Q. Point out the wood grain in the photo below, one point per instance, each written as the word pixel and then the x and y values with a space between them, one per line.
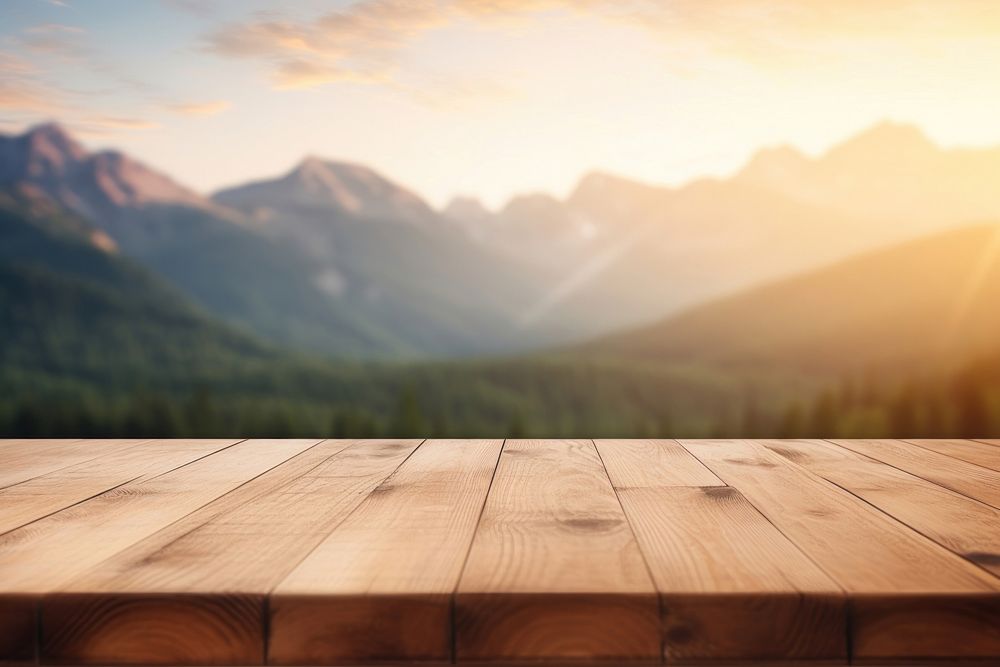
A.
pixel 18 631
pixel 40 496
pixel 392 565
pixel 616 551
pixel 554 571
pixel 123 629
pixel 966 478
pixel 36 559
pixel 731 585
pixel 199 584
pixel 901 585
pixel 981 453
pixel 969 528
pixel 26 459
pixel 46 554
pixel 651 464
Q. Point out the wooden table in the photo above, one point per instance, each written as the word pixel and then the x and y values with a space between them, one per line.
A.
pixel 302 552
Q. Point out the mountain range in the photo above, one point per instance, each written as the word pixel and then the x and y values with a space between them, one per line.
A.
pixel 333 258
pixel 616 310
pixel 920 306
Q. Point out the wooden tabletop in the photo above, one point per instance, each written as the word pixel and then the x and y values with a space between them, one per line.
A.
pixel 307 552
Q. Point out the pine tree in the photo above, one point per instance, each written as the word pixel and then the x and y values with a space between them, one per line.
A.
pixel 408 421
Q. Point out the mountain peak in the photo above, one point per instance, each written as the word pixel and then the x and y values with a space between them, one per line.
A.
pixel 321 184
pixel 98 186
pixel 768 164
pixel 334 175
pixel 50 148
pixel 611 198
pixel 51 132
pixel 596 183
pixel 467 209
pixel 310 164
pixel 886 140
pixel 890 130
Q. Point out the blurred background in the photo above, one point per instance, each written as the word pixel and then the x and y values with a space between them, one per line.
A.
pixel 493 218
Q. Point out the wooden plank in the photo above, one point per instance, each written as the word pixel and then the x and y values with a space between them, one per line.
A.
pixel 966 478
pixel 653 463
pixel 45 555
pixel 966 526
pixel 732 587
pixel 192 586
pixel 40 496
pixel 25 459
pixel 909 597
pixel 392 565
pixel 554 571
pixel 11 444
pixel 981 453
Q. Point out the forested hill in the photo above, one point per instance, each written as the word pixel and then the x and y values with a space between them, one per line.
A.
pixel 74 309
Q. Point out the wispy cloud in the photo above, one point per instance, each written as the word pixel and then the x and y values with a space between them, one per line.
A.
pixel 118 123
pixel 20 92
pixel 56 41
pixel 24 96
pixel 357 44
pixel 301 73
pixel 364 41
pixel 212 108
pixel 49 28
pixel 12 64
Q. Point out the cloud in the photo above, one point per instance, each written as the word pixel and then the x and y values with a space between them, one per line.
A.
pixel 300 73
pixel 14 65
pixel 357 44
pixel 59 44
pixel 212 108
pixel 19 92
pixel 24 96
pixel 118 122
pixel 49 28
pixel 364 42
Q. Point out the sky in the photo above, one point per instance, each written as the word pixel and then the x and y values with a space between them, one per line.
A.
pixel 488 98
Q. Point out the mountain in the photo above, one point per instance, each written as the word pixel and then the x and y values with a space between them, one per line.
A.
pixel 629 253
pixel 911 308
pixel 379 248
pixel 75 309
pixel 91 343
pixel 104 186
pixel 348 189
pixel 891 172
pixel 468 210
pixel 617 253
pixel 332 257
pixel 273 285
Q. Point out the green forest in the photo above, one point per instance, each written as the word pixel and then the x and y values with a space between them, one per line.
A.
pixel 516 399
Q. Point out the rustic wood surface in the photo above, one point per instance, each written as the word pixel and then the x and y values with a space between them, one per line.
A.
pixel 309 552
